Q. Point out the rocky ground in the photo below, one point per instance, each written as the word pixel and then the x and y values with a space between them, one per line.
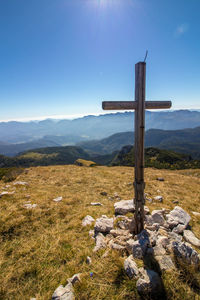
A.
pixel 165 241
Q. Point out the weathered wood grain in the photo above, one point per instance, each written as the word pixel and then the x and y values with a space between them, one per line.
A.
pixel 132 105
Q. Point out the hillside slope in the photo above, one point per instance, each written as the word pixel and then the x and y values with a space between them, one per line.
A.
pixel 41 247
pixel 157 158
pixel 45 156
pixel 184 141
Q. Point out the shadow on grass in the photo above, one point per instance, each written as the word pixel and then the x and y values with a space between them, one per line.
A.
pixel 151 263
pixel 188 274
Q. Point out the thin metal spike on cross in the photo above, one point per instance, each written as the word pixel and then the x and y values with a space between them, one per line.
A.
pixel 139 105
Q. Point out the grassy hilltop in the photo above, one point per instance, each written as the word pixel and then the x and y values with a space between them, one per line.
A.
pixel 40 248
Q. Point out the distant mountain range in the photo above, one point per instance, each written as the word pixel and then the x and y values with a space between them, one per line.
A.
pixel 65 132
pixel 184 141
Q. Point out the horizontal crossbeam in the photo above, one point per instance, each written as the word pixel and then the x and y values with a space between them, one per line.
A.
pixel 123 105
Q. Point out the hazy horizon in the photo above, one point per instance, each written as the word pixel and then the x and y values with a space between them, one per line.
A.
pixel 72 117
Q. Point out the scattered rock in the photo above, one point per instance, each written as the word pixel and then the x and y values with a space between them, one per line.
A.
pixel 116 246
pixel 146 210
pixel 126 223
pixel 20 183
pixel 119 232
pixel 74 278
pixel 158 198
pixel 162 241
pixel 129 245
pixel 104 224
pixel 88 260
pixel 103 194
pixel 116 196
pixel 110 198
pixel 100 242
pixel 58 199
pixel 165 262
pixel 124 206
pixel 96 204
pixel 179 229
pixel 139 247
pixel 149 284
pixel 64 293
pixel 130 267
pixel 159 250
pixel 92 234
pixel 160 179
pixel 178 216
pixel 185 252
pixel 175 237
pixel 196 214
pixel 87 220
pixel 149 220
pixel 29 205
pixel 149 199
pixel 191 238
pixel 175 201
pixel 157 216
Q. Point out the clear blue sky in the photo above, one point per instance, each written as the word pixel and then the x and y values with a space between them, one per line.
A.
pixel 63 57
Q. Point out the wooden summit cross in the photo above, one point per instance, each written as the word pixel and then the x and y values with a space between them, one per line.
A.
pixel 139 105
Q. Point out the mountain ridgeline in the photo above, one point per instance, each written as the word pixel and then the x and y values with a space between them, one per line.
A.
pixel 184 141
pixel 65 132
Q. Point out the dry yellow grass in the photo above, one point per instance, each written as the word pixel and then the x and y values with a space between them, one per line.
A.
pixel 41 247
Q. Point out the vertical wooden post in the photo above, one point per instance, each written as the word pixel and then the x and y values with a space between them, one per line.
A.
pixel 139 185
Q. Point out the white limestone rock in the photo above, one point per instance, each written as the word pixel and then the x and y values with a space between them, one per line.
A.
pixel 74 278
pixel 149 284
pixel 119 232
pixel 191 238
pixel 100 242
pixel 196 214
pixel 124 206
pixel 159 250
pixel 96 204
pixel 64 293
pixel 113 245
pixel 146 210
pixel 139 247
pixel 130 267
pixel 157 216
pixel 104 224
pixel 20 183
pixel 178 216
pixel 162 241
pixel 179 229
pixel 58 199
pixel 165 262
pixel 88 220
pixel 129 245
pixel 158 198
pixel 30 206
pixel 185 252
pixel 88 260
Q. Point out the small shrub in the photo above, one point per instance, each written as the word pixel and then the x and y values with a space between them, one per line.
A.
pixel 10 174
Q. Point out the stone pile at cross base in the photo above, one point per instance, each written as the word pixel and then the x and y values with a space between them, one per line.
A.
pixel 165 240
